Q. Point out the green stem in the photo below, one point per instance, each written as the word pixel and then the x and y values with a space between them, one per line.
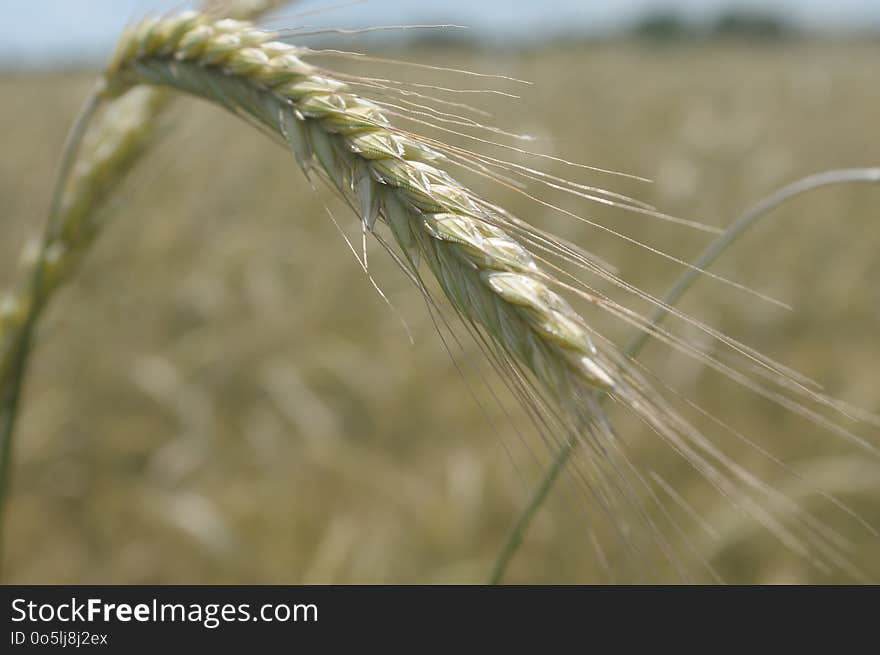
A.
pixel 514 539
pixel 12 382
pixel 682 284
pixel 738 228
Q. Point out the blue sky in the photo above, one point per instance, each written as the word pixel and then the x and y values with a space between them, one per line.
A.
pixel 34 31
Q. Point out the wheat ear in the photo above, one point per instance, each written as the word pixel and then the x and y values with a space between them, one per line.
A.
pixel 492 281
pixel 489 277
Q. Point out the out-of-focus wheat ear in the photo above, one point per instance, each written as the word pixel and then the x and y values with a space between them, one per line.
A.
pixel 111 144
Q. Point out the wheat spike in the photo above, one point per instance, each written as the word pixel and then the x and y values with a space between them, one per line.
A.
pixel 489 276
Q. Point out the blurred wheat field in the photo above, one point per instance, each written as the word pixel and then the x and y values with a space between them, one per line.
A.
pixel 221 396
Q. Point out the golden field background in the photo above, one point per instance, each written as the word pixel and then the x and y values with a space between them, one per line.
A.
pixel 221 396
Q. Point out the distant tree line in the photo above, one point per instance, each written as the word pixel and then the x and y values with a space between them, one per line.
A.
pixel 670 26
pixel 665 26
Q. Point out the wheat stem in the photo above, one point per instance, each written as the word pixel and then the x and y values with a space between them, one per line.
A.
pixel 741 225
pixel 20 348
pixel 520 527
pixel 731 234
